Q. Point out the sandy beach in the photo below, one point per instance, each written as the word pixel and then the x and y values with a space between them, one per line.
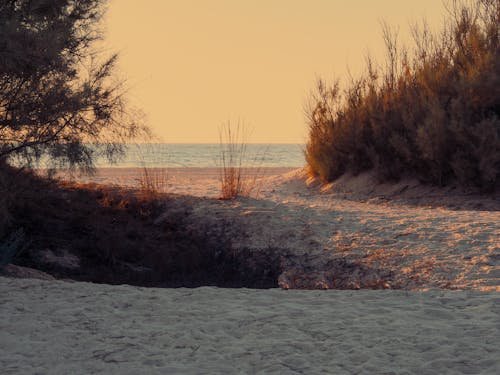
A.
pixel 442 249
pixel 80 328
pixel 237 187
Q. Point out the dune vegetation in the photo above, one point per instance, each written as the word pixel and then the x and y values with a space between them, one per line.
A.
pixel 431 111
pixel 240 171
pixel 61 102
pixel 109 234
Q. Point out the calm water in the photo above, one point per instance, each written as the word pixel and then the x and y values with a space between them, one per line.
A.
pixel 207 155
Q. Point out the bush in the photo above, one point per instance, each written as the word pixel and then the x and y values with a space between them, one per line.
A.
pixel 126 236
pixel 435 116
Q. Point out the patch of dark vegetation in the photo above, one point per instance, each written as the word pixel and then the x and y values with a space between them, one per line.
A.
pixel 338 272
pixel 431 113
pixel 111 235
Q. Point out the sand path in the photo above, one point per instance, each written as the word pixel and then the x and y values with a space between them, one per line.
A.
pixel 386 240
pixel 396 245
pixel 81 328
pixel 375 233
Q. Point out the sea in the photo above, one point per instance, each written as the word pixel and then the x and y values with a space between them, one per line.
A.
pixel 206 155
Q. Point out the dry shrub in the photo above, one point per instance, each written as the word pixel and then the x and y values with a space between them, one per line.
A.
pixel 432 112
pixel 10 247
pixel 239 174
pixel 123 236
pixel 153 181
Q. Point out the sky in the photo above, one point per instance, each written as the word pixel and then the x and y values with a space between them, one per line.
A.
pixel 193 65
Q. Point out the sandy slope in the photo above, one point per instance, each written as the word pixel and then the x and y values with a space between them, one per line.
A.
pixel 53 327
pixel 414 246
pixel 354 233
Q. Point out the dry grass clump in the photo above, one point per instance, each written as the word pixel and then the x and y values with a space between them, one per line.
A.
pixel 433 112
pixel 237 179
pixel 153 181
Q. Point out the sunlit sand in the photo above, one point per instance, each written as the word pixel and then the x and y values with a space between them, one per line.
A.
pixel 401 236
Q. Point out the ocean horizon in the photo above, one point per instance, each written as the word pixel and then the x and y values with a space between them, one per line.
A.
pixel 206 155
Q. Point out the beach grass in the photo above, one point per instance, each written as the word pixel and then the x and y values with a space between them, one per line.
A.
pixel 112 234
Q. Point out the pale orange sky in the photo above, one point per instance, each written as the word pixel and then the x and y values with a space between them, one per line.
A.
pixel 194 64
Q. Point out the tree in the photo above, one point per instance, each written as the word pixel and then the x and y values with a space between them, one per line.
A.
pixel 58 97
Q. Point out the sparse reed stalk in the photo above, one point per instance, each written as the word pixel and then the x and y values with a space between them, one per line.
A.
pixel 239 174
pixel 153 181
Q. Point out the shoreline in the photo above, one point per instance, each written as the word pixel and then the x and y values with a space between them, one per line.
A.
pixel 196 181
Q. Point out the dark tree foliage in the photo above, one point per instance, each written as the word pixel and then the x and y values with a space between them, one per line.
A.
pixel 58 97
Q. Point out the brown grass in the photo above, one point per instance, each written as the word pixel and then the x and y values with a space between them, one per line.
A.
pixel 239 174
pixel 153 181
pixel 125 236
pixel 432 111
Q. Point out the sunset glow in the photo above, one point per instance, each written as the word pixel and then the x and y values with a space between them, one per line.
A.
pixel 192 65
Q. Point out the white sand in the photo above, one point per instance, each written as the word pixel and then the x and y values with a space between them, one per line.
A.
pixel 82 328
pixel 79 328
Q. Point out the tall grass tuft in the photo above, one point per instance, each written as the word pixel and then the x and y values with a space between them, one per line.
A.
pixel 239 173
pixel 432 111
pixel 153 181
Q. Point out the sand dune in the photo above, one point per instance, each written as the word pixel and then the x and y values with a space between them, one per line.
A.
pixel 393 236
pixel 56 327
pixel 442 251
